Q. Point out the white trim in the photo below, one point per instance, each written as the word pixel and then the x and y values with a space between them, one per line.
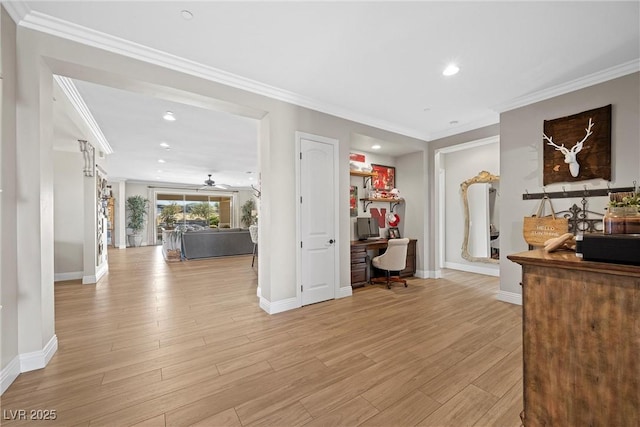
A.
pixel 488 120
pixel 473 269
pixel 279 306
pixel 38 21
pixel 336 226
pixel 68 30
pixel 259 292
pixel 39 359
pixel 437 274
pixel 510 297
pixel 344 291
pixel 70 90
pixel 9 374
pixel 72 275
pixel 121 246
pixel 424 274
pixel 602 76
pixel 100 271
pixel 440 214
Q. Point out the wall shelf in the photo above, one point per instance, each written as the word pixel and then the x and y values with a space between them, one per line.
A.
pixel 392 202
pixel 366 176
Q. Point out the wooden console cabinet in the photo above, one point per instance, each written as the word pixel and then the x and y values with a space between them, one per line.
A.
pixel 360 264
pixel 581 341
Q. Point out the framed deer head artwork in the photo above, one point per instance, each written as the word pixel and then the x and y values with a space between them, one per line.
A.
pixel 578 147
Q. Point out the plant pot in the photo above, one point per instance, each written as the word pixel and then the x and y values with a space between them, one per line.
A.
pixel 135 240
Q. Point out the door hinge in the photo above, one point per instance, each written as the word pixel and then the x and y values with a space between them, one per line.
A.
pixel 300 199
pixel 300 156
pixel 300 288
pixel 301 244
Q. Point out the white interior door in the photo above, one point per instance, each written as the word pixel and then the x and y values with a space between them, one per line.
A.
pixel 318 192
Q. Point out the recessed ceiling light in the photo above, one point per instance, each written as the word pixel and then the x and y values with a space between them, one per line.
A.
pixel 169 116
pixel 164 145
pixel 161 161
pixel 451 70
pixel 426 109
pixel 376 147
pixel 186 15
pixel 453 122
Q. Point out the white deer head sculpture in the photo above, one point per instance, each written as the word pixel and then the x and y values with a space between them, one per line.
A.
pixel 570 154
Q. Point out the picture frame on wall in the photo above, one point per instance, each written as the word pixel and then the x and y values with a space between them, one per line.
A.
pixel 394 233
pixel 385 178
pixel 353 200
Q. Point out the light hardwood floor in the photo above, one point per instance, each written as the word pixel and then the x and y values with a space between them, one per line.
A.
pixel 157 344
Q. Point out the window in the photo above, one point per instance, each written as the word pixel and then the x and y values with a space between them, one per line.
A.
pixel 199 209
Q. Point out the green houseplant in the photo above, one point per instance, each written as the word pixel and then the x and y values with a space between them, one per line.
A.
pixel 169 215
pixel 137 207
pixel 247 216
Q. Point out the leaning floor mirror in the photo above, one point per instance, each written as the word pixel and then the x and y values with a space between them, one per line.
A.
pixel 480 196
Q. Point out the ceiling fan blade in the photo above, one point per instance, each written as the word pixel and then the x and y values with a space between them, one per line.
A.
pixel 222 186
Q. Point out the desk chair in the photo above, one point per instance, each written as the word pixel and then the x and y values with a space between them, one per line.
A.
pixel 394 259
pixel 253 232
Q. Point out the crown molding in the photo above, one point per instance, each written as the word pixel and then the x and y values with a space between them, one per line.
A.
pixel 614 72
pixel 17 10
pixel 487 120
pixel 70 90
pixel 38 21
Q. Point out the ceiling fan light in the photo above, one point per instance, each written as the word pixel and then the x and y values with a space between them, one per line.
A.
pixel 169 116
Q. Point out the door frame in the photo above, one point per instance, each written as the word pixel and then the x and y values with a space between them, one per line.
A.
pixel 440 213
pixel 336 214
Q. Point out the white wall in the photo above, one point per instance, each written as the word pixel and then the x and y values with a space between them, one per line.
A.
pixel 68 213
pixel 460 166
pixel 521 154
pixel 413 212
pixel 9 365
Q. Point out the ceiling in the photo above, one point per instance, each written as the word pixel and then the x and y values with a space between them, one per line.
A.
pixel 378 63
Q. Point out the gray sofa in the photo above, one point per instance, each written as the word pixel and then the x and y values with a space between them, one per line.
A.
pixel 216 242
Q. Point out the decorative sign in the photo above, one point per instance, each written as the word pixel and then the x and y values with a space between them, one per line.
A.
pixel 578 147
pixel 356 157
pixel 385 178
pixel 353 200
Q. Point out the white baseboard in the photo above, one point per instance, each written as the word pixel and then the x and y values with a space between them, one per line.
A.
pixel 93 279
pixel 9 374
pixel 121 246
pixel 473 269
pixel 279 306
pixel 259 292
pixel 39 359
pixel 344 291
pixel 72 275
pixel 510 297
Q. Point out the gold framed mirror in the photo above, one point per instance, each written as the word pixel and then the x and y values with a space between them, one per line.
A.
pixel 480 199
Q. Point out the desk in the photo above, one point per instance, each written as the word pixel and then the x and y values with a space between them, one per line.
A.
pixel 359 264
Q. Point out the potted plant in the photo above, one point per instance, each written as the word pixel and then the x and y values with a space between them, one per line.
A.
pixel 169 215
pixel 137 207
pixel 248 215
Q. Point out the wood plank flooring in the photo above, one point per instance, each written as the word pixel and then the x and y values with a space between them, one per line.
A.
pixel 177 344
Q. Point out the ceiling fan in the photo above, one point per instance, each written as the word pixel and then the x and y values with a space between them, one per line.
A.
pixel 209 183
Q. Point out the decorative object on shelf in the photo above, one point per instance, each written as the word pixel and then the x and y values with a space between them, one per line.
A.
pixel 385 178
pixel 137 207
pixel 622 216
pixel 566 241
pixel 393 219
pixel 593 142
pixel 394 233
pixel 537 229
pixel 353 200
pixel 89 156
